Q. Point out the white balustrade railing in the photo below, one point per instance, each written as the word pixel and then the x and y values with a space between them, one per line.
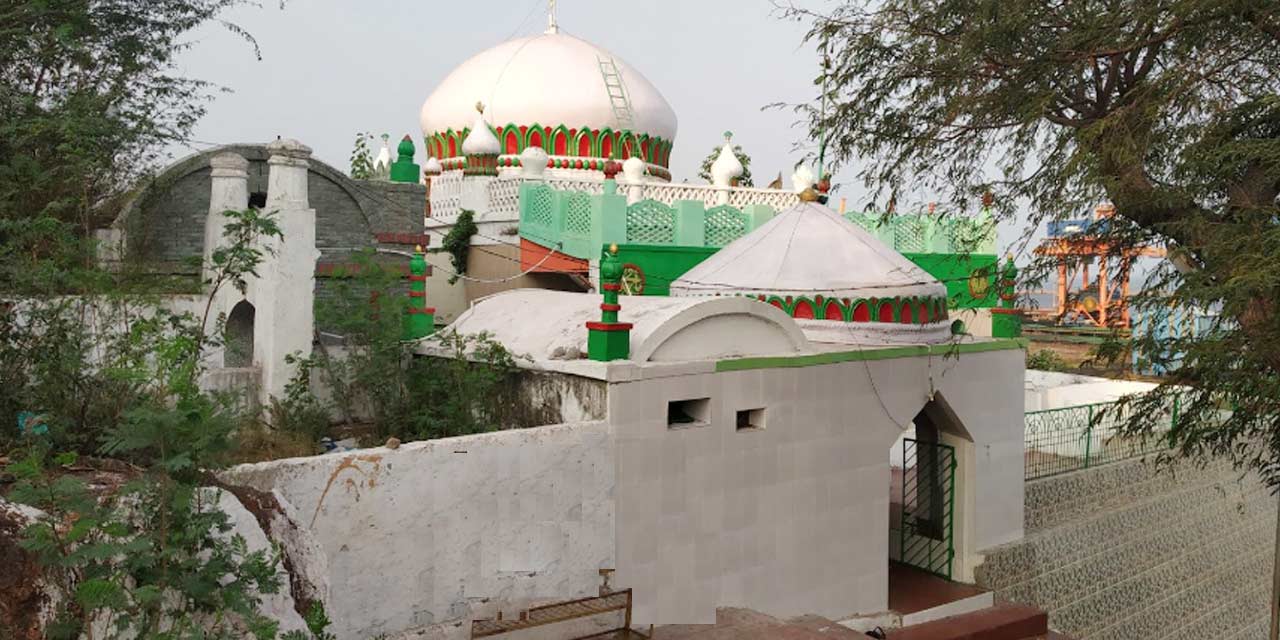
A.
pixel 446 196
pixel 504 199
pixel 711 196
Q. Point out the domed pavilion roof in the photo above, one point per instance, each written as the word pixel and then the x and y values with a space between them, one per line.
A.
pixel 533 86
pixel 838 281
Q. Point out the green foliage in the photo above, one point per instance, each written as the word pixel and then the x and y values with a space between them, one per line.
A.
pixel 117 374
pixel 465 388
pixel 1046 360
pixel 744 180
pixel 362 157
pixel 375 375
pixel 457 243
pixel 1169 109
pixel 155 560
pixel 89 97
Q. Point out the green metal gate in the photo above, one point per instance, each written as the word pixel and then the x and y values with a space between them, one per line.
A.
pixel 927 509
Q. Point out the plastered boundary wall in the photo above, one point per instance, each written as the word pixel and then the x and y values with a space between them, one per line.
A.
pixel 450 529
pixel 1122 551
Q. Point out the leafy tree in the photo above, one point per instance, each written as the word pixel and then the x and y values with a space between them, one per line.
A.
pixel 89 96
pixel 1167 108
pixel 117 374
pixel 743 181
pixel 362 157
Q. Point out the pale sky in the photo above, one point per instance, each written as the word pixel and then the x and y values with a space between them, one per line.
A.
pixel 331 68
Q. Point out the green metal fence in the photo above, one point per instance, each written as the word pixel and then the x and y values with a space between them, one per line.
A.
pixel 1083 436
pixel 927 509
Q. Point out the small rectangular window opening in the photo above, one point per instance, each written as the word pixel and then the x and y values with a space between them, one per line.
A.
pixel 689 413
pixel 750 419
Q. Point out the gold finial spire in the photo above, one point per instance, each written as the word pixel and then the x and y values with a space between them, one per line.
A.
pixel 613 248
pixel 809 195
pixel 479 106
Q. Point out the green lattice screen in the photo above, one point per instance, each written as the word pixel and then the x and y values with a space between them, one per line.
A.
pixel 541 211
pixel 577 220
pixel 651 222
pixel 724 224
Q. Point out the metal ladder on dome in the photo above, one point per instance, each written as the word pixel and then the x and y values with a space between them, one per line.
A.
pixel 619 100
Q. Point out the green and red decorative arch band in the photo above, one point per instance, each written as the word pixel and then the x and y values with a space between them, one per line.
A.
pixel 898 309
pixel 581 142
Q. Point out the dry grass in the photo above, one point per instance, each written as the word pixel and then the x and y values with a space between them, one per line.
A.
pixel 259 443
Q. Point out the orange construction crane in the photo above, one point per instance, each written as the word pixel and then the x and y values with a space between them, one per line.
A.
pixel 1102 301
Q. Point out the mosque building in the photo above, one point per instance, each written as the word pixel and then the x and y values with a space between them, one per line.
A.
pixel 723 374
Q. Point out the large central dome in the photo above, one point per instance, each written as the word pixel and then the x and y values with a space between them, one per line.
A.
pixel 550 91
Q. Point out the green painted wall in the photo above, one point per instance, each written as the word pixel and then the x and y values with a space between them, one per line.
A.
pixel 964 275
pixel 661 264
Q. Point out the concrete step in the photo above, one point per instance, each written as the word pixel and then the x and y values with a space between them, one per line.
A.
pixel 1002 622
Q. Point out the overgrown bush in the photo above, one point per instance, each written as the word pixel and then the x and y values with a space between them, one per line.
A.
pixel 457 243
pixel 1046 360
pixel 117 374
pixel 373 377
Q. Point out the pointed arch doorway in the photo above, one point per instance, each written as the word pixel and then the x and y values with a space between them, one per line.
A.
pixel 923 497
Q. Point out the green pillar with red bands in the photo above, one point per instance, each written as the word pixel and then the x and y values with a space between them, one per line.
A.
pixel 1006 319
pixel 609 339
pixel 420 320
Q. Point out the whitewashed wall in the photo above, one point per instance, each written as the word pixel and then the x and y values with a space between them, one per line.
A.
pixel 1053 390
pixel 794 519
pixel 441 530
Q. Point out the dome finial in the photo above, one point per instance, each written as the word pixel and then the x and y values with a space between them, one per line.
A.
pixel 479 107
pixel 552 27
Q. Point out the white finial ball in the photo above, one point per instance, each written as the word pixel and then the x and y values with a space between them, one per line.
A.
pixel 802 179
pixel 633 169
pixel 533 162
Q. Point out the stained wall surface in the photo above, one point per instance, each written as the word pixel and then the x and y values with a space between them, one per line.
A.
pixel 1126 552
pixel 448 529
pixel 793 518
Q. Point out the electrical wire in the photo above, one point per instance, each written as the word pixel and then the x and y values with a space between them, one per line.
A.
pixel 460 276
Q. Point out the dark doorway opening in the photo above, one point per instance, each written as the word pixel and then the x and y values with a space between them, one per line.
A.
pixel 238 336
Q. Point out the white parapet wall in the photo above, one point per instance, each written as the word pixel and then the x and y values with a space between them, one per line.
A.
pixel 446 530
pixel 1054 390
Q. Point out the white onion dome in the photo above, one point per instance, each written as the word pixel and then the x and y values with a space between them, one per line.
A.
pixel 726 166
pixel 549 91
pixel 480 140
pixel 839 282
pixel 432 167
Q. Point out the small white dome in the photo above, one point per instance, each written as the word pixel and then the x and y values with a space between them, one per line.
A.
pixel 839 282
pixel 727 166
pixel 481 140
